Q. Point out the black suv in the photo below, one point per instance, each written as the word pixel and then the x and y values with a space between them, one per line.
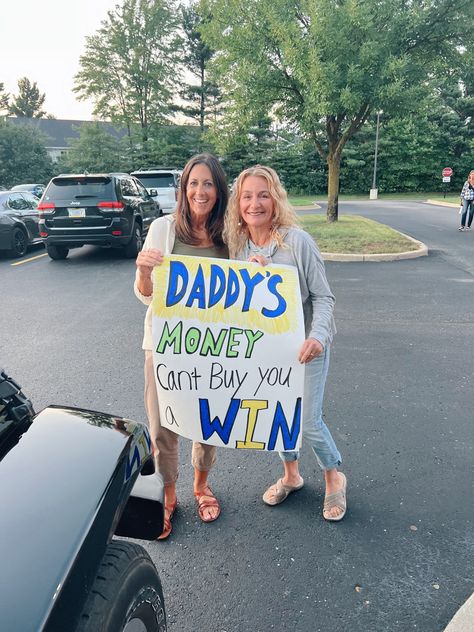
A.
pixel 112 210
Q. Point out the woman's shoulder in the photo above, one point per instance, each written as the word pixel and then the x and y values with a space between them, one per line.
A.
pixel 297 235
pixel 160 228
pixel 163 223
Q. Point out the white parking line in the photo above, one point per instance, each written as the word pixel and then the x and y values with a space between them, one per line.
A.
pixel 18 263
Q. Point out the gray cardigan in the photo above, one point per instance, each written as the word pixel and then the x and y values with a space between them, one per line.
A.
pixel 318 300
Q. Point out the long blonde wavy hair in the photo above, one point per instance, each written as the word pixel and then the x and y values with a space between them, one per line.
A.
pixel 236 231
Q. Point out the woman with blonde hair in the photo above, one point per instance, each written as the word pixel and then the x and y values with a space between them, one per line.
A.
pixel 261 226
pixel 467 202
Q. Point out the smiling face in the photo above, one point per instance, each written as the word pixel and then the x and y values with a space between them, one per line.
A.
pixel 256 205
pixel 201 192
pixel 471 177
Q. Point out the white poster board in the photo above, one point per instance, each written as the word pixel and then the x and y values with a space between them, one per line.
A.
pixel 226 336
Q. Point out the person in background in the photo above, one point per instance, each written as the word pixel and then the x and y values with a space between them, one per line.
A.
pixel 195 228
pixel 467 202
pixel 261 226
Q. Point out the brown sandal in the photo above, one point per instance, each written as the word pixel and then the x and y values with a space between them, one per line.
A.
pixel 169 511
pixel 206 499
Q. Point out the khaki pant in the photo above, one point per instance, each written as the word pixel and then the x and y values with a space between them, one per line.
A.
pixel 165 441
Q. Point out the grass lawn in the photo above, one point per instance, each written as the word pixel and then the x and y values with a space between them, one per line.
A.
pixel 307 200
pixel 353 234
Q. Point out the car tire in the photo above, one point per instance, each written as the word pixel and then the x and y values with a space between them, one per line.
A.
pixel 135 244
pixel 19 242
pixel 126 594
pixel 57 252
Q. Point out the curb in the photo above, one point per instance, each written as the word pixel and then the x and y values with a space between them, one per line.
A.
pixel 422 251
pixel 438 203
pixel 463 620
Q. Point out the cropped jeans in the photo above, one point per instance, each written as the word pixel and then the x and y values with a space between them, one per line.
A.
pixel 315 432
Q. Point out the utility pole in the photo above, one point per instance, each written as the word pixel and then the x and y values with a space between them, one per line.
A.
pixel 374 190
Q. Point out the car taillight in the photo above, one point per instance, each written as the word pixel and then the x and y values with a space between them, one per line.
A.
pixel 45 208
pixel 43 234
pixel 110 205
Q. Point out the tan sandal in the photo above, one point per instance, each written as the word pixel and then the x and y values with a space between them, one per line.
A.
pixel 206 499
pixel 169 511
pixel 337 499
pixel 279 492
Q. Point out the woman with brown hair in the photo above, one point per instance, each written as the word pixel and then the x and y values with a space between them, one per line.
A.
pixel 195 228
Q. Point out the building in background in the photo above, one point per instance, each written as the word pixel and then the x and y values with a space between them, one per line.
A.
pixel 59 132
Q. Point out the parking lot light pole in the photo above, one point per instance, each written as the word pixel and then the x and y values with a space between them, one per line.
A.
pixel 373 191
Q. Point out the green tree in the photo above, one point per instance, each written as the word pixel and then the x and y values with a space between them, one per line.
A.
pixel 23 157
pixel 29 100
pixel 325 65
pixel 95 150
pixel 201 98
pixel 130 64
pixel 4 100
pixel 173 145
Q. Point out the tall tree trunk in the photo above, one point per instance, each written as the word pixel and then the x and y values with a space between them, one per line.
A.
pixel 334 172
pixel 202 102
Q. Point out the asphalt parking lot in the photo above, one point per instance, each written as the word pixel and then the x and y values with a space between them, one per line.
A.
pixel 398 401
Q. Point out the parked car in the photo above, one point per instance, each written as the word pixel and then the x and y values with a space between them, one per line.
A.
pixel 166 184
pixel 69 479
pixel 105 209
pixel 19 222
pixel 35 189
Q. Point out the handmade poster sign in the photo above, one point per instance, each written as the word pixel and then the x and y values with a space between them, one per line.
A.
pixel 226 336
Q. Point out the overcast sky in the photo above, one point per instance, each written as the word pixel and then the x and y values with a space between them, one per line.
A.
pixel 43 40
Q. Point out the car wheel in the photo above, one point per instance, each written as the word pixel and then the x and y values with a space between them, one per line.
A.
pixel 19 242
pixel 126 595
pixel 57 252
pixel 135 244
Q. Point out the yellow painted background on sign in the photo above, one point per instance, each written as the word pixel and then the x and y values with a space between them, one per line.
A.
pixel 288 289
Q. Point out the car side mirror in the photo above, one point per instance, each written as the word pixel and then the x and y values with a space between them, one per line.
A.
pixel 153 192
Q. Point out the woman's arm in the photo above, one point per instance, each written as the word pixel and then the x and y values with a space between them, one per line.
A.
pixel 151 255
pixel 311 266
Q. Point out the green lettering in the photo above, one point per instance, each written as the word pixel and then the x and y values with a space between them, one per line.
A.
pixel 232 342
pixel 170 338
pixel 191 340
pixel 252 337
pixel 212 346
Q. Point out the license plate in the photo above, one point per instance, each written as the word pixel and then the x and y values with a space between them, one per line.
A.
pixel 76 212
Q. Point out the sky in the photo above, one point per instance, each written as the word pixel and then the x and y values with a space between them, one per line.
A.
pixel 43 41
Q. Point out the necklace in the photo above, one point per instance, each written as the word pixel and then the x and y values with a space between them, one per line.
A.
pixel 266 250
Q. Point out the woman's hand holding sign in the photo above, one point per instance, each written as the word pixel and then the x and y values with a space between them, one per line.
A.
pixel 146 261
pixel 310 349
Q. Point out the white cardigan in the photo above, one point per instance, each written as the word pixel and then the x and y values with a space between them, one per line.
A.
pixel 161 236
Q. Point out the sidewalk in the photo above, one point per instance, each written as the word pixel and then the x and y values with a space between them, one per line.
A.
pixel 463 620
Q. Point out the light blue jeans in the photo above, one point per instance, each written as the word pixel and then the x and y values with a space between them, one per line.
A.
pixel 315 431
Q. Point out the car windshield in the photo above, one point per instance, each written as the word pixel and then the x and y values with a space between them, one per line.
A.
pixel 157 180
pixel 79 188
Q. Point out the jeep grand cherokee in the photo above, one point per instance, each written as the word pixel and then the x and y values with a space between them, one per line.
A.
pixel 111 210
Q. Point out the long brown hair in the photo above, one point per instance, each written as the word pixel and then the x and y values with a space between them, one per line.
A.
pixel 215 221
